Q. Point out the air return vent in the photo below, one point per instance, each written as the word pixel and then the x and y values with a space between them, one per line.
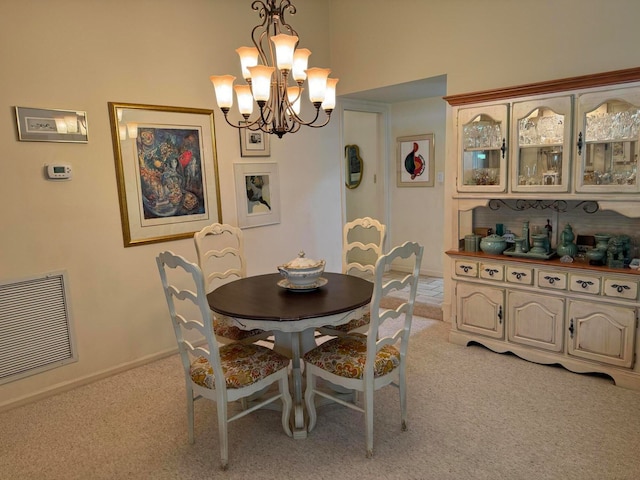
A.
pixel 35 326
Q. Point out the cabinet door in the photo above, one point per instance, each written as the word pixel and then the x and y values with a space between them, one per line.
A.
pixel 535 320
pixel 480 309
pixel 541 135
pixel 608 141
pixel 604 333
pixel 482 141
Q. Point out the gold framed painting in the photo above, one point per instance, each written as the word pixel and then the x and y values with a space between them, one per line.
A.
pixel 166 171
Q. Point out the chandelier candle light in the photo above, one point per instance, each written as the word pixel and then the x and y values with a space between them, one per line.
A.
pixel 275 72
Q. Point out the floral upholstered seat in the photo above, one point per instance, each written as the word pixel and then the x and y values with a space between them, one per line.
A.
pixel 222 328
pixel 346 357
pixel 243 365
pixel 353 324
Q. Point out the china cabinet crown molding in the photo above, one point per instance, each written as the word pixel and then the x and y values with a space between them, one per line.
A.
pixel 617 77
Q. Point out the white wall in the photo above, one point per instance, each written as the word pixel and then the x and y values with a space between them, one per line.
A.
pixel 479 45
pixel 417 213
pixel 73 54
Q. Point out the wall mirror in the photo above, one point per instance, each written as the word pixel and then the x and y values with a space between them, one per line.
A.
pixel 354 166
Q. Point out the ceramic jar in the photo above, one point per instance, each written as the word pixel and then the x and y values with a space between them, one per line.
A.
pixel 493 244
pixel 302 271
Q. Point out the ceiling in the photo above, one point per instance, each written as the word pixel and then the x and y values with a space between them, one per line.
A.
pixel 403 92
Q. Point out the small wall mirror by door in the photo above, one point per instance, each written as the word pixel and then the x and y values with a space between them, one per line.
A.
pixel 354 166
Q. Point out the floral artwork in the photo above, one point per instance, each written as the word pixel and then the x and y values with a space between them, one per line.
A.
pixel 170 165
pixel 166 171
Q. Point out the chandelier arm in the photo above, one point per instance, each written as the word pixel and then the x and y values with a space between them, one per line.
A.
pixel 326 122
pixel 301 121
pixel 253 125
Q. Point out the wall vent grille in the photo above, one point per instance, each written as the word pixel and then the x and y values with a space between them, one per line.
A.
pixel 35 326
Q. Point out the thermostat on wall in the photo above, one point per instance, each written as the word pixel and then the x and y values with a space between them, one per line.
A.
pixel 59 172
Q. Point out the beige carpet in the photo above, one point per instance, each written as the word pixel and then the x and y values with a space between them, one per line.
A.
pixel 424 310
pixel 473 414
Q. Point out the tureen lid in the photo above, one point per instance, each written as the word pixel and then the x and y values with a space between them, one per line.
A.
pixel 303 262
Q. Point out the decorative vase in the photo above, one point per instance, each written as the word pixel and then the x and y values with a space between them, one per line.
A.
pixel 493 244
pixel 540 244
pixel 567 247
pixel 602 240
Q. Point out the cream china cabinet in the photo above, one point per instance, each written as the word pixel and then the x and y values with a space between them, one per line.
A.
pixel 545 146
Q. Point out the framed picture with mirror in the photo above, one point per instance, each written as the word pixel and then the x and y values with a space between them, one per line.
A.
pixel 353 166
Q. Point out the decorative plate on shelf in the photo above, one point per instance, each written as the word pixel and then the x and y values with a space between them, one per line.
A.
pixel 284 283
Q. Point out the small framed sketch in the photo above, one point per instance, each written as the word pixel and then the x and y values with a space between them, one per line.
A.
pixel 46 125
pixel 257 194
pixel 254 143
pixel 416 161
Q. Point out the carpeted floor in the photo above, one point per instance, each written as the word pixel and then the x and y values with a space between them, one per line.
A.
pixel 473 414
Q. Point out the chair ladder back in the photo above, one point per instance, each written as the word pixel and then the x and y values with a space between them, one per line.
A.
pixel 228 252
pixel 381 289
pixel 350 246
pixel 181 302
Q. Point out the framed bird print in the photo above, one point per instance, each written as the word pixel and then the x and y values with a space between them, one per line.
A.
pixel 257 194
pixel 416 161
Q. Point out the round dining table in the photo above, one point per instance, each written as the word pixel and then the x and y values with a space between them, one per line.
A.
pixel 292 315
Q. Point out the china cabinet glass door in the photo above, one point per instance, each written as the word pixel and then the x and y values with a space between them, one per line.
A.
pixel 541 131
pixel 608 141
pixel 483 135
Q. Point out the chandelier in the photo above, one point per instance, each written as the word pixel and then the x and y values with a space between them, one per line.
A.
pixel 275 72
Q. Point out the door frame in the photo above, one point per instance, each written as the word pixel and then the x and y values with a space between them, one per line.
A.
pixel 383 169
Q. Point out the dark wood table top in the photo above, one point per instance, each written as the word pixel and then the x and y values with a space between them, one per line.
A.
pixel 261 298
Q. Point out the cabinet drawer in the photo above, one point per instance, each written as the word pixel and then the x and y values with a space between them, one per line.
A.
pixel 550 279
pixel 584 284
pixel 492 271
pixel 520 275
pixel 465 268
pixel 620 288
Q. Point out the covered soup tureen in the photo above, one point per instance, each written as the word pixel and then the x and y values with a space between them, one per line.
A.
pixel 301 271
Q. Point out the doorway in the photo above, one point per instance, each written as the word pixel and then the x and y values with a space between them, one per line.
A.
pixel 365 125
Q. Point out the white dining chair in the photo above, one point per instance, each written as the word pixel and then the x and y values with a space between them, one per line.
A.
pixel 220 251
pixel 362 244
pixel 366 363
pixel 225 373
